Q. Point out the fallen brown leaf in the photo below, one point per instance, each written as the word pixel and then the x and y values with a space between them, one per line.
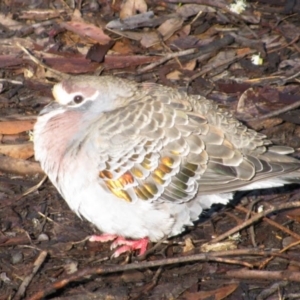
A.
pixel 87 30
pixel 23 151
pixel 188 245
pixel 218 294
pixel 131 7
pixel 167 28
pixel 294 215
pixel 19 166
pixel 14 127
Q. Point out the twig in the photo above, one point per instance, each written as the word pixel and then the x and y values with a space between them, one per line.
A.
pixel 35 187
pixel 273 223
pixel 220 64
pixel 255 219
pixel 285 46
pixel 273 289
pixel 11 81
pixel 152 249
pixel 21 291
pixel 212 3
pixel 196 18
pixel 215 256
pixel 265 262
pixel 248 214
pixel 232 262
pixel 276 112
pixel 166 58
pixel 60 75
pixel 150 286
pixel 265 275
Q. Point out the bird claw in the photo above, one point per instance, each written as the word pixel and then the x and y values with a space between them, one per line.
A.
pixel 127 245
pixel 120 251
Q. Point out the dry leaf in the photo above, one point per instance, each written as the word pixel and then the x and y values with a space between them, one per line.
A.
pixel 19 166
pixel 181 33
pixel 189 10
pixel 122 47
pixel 174 75
pixel 23 151
pixel 188 245
pixel 294 214
pixel 149 39
pixel 243 51
pixel 87 30
pixel 190 65
pixel 40 14
pixel 136 36
pixel 147 19
pixel 220 60
pixel 130 7
pixel 97 52
pixel 167 28
pixel 8 22
pixel 14 127
pixel 218 294
pixel 223 246
pixel 71 266
pixel 251 17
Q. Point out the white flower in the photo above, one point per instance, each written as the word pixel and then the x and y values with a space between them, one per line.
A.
pixel 257 60
pixel 238 7
pixel 260 209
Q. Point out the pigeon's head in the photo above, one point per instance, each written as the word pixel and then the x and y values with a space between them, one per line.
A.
pixel 91 94
pixel 79 104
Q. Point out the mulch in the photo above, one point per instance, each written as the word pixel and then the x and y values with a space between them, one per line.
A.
pixel 245 57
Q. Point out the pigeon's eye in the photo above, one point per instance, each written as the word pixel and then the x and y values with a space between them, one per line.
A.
pixel 78 99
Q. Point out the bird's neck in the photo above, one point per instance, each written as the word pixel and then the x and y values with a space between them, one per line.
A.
pixel 54 137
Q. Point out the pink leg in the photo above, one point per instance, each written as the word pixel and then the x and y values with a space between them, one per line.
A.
pixel 127 245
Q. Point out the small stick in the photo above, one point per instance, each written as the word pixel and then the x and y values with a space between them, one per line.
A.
pixel 60 75
pixel 264 275
pixel 213 256
pixel 273 223
pixel 166 58
pixel 36 265
pixel 255 219
pixel 276 112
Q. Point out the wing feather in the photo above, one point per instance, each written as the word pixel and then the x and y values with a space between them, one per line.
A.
pixel 167 146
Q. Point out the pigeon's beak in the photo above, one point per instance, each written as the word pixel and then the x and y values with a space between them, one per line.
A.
pixel 50 107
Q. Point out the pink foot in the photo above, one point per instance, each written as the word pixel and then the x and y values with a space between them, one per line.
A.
pixel 103 238
pixel 127 245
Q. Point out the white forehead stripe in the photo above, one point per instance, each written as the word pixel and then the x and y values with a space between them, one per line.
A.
pixel 64 98
pixel 60 95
